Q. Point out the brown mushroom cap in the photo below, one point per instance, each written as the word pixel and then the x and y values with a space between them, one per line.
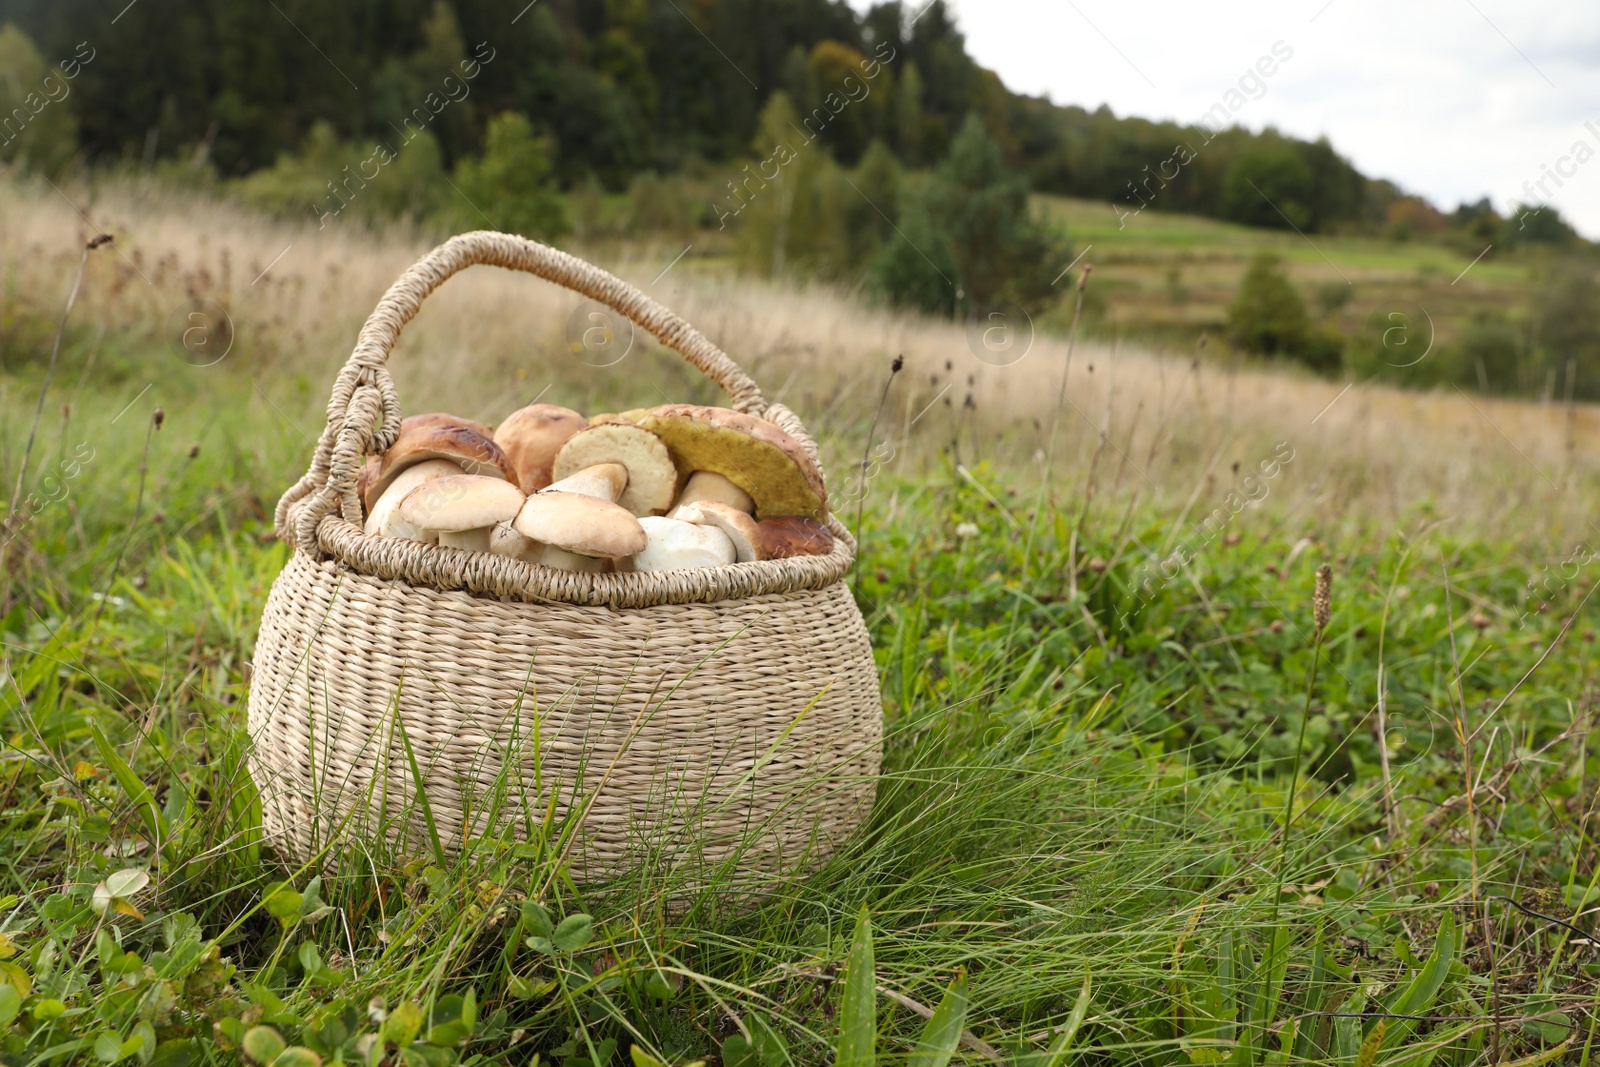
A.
pixel 754 454
pixel 793 535
pixel 532 436
pixel 430 438
pixel 461 502
pixel 652 476
pixel 742 530
pixel 444 418
pixel 587 525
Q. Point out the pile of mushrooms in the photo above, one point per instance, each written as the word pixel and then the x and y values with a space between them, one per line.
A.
pixel 655 489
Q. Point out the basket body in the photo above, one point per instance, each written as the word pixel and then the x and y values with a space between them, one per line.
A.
pixel 743 732
pixel 408 695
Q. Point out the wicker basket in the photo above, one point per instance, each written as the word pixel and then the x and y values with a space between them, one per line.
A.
pixel 726 715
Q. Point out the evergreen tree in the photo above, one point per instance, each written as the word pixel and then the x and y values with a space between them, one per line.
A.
pixel 970 243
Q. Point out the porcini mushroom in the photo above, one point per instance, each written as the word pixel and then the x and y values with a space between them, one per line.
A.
pixel 444 418
pixel 794 536
pixel 384 519
pixel 673 544
pixel 740 528
pixel 709 485
pixel 604 480
pixel 461 510
pixel 754 454
pixel 652 476
pixel 424 437
pixel 576 531
pixel 532 436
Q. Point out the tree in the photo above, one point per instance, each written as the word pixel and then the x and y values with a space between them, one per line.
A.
pixel 510 184
pixel 1568 314
pixel 39 126
pixel 969 243
pixel 1268 316
pixel 1269 185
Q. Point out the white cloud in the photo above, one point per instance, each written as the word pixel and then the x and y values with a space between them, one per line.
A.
pixel 1449 98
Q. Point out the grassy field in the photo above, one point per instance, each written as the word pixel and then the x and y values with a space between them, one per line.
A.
pixel 1174 275
pixel 1137 807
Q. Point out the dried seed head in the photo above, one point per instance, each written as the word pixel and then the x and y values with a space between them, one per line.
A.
pixel 194 451
pixel 1083 279
pixel 158 416
pixel 899 361
pixel 1322 599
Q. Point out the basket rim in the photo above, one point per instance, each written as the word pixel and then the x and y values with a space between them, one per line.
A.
pixel 442 569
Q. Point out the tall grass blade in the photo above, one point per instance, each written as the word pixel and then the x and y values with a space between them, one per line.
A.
pixel 858 1016
pixel 943 1032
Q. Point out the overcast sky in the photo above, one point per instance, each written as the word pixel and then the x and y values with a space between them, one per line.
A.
pixel 1453 99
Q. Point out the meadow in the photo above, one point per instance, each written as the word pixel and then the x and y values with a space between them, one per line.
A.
pixel 1139 806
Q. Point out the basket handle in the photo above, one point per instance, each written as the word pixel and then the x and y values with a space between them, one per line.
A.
pixel 364 409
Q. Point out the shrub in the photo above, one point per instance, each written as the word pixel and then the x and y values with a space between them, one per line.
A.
pixel 1268 316
pixel 509 187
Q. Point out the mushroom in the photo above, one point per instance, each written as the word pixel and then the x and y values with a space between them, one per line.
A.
pixel 444 418
pixel 794 535
pixel 740 528
pixel 604 480
pixel 462 509
pixel 577 530
pixel 504 540
pixel 675 545
pixel 709 485
pixel 532 436
pixel 754 454
pixel 424 437
pixel 652 476
pixel 384 518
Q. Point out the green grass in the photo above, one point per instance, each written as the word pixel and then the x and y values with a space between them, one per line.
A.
pixel 1076 850
pixel 1170 276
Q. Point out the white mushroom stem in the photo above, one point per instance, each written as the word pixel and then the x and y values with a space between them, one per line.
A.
pixel 739 527
pixel 562 560
pixel 709 485
pixel 675 545
pixel 468 540
pixel 603 480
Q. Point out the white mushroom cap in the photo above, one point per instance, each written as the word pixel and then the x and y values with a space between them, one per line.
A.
pixel 604 480
pixel 385 520
pixel 675 545
pixel 461 502
pixel 741 529
pixel 652 477
pixel 587 525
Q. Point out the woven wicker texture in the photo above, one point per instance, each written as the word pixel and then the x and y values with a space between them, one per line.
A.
pixel 677 718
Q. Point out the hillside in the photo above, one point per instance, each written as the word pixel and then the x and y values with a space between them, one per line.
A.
pixel 623 89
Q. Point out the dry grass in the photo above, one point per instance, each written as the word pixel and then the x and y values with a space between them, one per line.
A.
pixel 1175 427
